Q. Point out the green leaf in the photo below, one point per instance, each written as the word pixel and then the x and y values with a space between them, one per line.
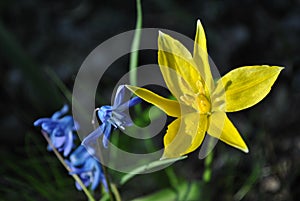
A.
pixel 105 197
pixel 150 166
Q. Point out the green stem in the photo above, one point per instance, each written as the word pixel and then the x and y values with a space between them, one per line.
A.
pixel 207 168
pixel 116 192
pixel 105 172
pixel 207 164
pixel 133 81
pixel 135 45
pixel 86 191
pixel 60 158
pixel 172 177
pixel 134 55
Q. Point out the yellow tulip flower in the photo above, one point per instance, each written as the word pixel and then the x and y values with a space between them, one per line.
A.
pixel 201 103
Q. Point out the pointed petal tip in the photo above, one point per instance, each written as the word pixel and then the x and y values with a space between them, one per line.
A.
pixel 199 22
pixel 280 68
pixel 167 155
pixel 243 149
pixel 36 123
pixel 246 150
pixel 161 35
pixel 162 158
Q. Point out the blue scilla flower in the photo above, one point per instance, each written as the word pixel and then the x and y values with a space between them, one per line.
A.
pixel 59 129
pixel 112 116
pixel 87 168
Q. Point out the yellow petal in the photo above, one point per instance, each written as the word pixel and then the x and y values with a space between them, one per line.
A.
pixel 184 135
pixel 221 127
pixel 170 107
pixel 201 56
pixel 246 86
pixel 177 66
pixel 200 39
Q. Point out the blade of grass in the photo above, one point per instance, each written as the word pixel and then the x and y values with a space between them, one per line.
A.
pixel 184 191
pixel 251 180
pixel 67 93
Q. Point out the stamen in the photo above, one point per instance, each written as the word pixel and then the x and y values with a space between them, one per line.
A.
pixel 204 105
pixel 200 85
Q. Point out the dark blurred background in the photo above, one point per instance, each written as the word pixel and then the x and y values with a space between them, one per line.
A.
pixel 58 35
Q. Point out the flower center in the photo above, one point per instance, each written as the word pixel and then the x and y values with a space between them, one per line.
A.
pixel 203 104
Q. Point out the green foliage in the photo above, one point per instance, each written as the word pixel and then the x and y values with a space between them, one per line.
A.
pixel 38 175
pixel 151 166
pixel 185 191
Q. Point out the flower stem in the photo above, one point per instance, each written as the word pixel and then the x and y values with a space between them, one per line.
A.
pixel 134 54
pixel 207 168
pixel 62 161
pixel 135 45
pixel 172 177
pixel 207 164
pixel 105 172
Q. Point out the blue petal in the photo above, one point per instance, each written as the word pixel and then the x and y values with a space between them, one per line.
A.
pixel 78 186
pixel 58 131
pixel 68 143
pixel 49 148
pixel 119 96
pixel 41 121
pixel 96 176
pixel 49 126
pixel 76 126
pixel 58 141
pixel 87 166
pixel 126 120
pixel 74 170
pixel 63 111
pixel 134 101
pixel 79 156
pixel 104 113
pixel 106 135
pixel 93 136
pixel 104 182
pixel 67 121
pixel 86 178
pixel 128 104
pixel 86 182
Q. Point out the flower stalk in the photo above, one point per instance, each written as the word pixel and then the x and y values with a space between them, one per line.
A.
pixel 60 158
